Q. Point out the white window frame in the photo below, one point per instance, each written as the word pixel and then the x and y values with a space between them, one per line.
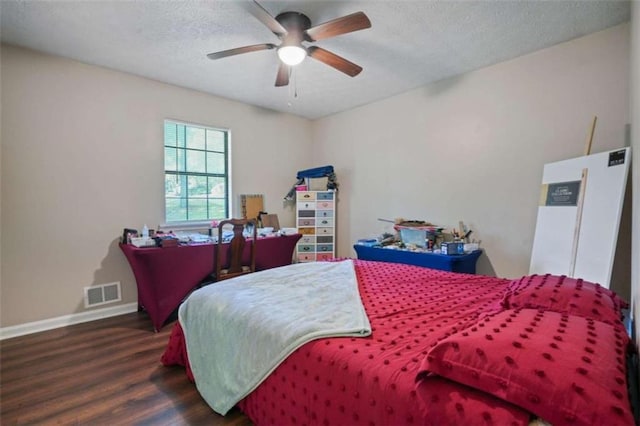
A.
pixel 196 224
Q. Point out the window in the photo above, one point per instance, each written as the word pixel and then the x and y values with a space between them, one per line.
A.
pixel 196 172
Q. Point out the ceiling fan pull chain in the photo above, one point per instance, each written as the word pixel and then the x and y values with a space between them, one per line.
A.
pixel 293 88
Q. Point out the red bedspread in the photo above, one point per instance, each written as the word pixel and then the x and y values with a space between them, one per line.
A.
pixel 373 380
pixel 551 344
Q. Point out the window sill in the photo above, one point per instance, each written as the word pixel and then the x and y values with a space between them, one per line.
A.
pixel 201 225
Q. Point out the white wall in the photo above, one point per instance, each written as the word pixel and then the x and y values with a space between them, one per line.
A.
pixel 83 158
pixel 472 148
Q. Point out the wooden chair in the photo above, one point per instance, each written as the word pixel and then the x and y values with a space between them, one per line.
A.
pixel 234 265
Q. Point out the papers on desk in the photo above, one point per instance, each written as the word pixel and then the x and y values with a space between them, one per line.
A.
pixel 193 238
pixel 227 235
pixel 199 238
pixel 288 231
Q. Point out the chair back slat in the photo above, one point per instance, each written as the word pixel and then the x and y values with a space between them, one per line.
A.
pixel 234 250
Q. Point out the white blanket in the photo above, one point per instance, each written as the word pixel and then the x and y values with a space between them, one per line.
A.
pixel 238 331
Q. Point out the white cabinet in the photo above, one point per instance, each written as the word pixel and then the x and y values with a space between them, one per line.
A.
pixel 315 219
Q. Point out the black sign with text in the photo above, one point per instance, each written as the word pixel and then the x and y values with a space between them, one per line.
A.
pixel 616 157
pixel 563 194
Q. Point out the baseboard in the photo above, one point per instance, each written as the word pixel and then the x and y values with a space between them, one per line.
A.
pixel 63 321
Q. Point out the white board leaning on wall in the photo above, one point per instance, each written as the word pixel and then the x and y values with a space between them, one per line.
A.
pixel 579 216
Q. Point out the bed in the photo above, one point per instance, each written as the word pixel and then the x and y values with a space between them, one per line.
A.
pixel 434 347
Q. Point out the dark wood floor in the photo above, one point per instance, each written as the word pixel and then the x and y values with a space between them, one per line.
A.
pixel 102 372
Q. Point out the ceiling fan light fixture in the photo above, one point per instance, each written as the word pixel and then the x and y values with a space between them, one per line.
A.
pixel 292 54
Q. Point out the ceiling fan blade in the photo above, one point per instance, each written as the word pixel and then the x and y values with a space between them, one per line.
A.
pixel 265 17
pixel 239 50
pixel 282 79
pixel 334 60
pixel 354 22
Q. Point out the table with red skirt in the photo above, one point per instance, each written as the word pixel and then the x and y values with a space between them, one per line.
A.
pixel 165 276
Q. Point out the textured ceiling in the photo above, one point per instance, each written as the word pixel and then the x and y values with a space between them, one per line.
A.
pixel 410 43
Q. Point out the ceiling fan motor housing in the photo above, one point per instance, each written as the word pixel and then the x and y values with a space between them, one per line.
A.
pixel 294 21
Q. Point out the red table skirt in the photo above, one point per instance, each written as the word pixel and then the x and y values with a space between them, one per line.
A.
pixel 165 276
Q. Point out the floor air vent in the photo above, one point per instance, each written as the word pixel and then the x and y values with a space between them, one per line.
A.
pixel 102 294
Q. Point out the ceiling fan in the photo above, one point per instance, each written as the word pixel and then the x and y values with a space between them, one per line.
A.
pixel 294 28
